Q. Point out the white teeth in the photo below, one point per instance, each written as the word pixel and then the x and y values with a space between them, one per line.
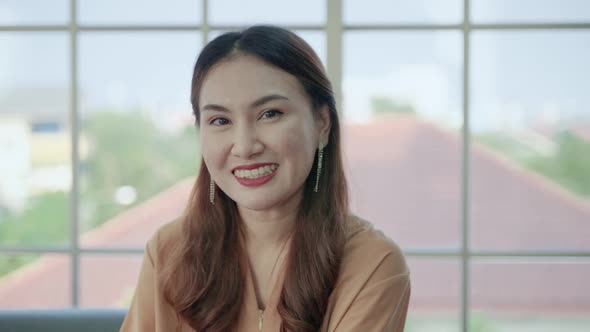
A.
pixel 256 173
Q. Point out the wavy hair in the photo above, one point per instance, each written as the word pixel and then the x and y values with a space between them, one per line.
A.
pixel 207 292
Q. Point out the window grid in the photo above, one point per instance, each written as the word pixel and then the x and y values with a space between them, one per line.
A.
pixel 465 280
pixel 334 29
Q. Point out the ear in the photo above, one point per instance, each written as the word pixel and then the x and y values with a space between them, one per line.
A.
pixel 324 124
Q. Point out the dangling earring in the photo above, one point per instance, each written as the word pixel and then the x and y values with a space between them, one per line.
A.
pixel 319 172
pixel 212 191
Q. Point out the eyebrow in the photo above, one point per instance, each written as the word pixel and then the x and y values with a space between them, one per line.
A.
pixel 257 103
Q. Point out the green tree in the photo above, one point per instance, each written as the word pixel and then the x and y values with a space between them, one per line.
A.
pixel 128 150
pixel 382 104
pixel 45 220
pixel 570 166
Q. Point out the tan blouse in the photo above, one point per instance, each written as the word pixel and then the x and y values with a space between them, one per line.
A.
pixel 371 294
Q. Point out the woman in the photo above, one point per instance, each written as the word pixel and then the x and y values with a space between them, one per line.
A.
pixel 267 242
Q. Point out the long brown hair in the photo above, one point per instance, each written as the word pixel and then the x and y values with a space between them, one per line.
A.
pixel 206 291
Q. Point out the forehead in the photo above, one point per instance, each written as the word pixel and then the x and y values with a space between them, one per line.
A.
pixel 246 78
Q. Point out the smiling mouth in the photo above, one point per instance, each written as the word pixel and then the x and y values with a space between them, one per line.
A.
pixel 255 173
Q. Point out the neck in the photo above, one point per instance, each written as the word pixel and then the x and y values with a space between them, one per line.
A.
pixel 268 229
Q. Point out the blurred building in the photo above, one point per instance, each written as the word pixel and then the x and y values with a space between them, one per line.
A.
pixel 35 145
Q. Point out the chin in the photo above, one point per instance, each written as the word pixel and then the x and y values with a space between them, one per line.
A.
pixel 256 204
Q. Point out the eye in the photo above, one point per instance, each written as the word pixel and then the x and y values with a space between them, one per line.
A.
pixel 219 122
pixel 271 114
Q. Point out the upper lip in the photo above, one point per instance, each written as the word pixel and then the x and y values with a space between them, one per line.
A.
pixel 251 166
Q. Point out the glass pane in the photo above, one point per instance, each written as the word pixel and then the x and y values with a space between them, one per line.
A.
pixel 531 149
pixel 402 11
pixel 134 12
pixel 34 12
pixel 99 289
pixel 435 300
pixel 532 295
pixel 234 12
pixel 35 281
pixel 138 124
pixel 402 112
pixel 530 11
pixel 316 39
pixel 35 143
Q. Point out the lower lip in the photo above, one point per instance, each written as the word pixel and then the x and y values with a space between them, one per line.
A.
pixel 256 182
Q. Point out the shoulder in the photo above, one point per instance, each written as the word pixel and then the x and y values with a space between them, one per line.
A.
pixel 368 249
pixel 372 264
pixel 373 281
pixel 163 240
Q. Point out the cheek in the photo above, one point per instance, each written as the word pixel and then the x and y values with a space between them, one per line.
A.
pixel 205 146
pixel 297 143
pixel 211 152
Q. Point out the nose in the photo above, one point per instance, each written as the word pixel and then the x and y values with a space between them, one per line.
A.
pixel 246 143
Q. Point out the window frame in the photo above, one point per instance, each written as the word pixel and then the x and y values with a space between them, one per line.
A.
pixel 334 29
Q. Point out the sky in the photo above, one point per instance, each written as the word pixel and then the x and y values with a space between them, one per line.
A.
pixel 517 77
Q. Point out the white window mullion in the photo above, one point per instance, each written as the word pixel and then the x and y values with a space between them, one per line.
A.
pixel 74 125
pixel 334 33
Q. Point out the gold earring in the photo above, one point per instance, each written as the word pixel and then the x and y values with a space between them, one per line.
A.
pixel 319 172
pixel 212 191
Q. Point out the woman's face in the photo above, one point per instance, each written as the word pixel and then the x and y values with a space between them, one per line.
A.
pixel 253 114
